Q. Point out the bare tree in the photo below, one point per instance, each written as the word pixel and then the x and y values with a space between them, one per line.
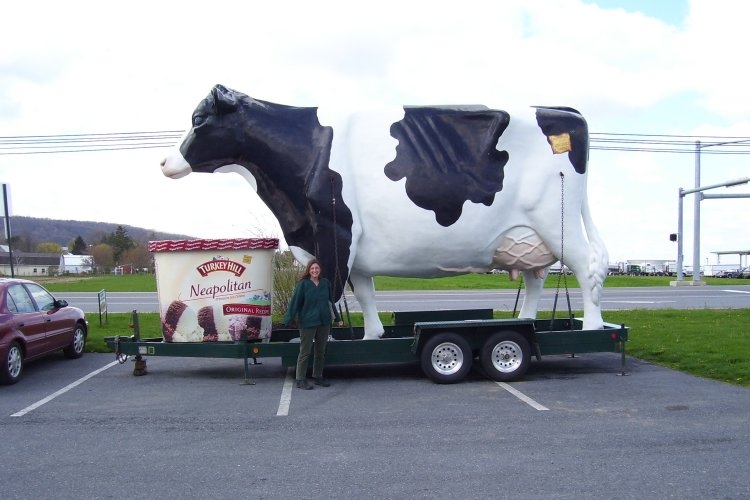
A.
pixel 286 272
pixel 104 257
pixel 139 257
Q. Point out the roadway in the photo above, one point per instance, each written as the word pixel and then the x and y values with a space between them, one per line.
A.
pixel 574 427
pixel 613 299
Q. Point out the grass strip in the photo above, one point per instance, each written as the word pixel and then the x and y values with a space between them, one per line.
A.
pixel 710 343
pixel 147 282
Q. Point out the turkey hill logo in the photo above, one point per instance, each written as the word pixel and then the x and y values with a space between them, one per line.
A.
pixel 220 264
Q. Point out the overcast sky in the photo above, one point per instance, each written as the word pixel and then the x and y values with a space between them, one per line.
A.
pixel 631 67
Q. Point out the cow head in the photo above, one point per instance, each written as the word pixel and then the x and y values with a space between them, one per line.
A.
pixel 283 152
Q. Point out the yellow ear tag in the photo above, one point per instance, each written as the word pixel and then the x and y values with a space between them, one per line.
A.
pixel 560 143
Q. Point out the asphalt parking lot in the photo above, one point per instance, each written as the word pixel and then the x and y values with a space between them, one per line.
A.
pixel 192 428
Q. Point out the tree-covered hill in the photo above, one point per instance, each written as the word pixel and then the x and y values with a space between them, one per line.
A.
pixel 30 231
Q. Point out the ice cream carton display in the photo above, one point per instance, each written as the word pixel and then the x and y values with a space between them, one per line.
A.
pixel 215 290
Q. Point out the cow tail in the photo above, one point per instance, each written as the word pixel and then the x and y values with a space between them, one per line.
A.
pixel 598 256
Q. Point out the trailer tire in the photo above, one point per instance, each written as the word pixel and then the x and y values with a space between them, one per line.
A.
pixel 505 356
pixel 446 358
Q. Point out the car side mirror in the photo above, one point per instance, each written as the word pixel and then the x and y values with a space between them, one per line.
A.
pixel 59 303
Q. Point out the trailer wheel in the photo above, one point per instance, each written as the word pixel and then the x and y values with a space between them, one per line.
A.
pixel 505 356
pixel 446 358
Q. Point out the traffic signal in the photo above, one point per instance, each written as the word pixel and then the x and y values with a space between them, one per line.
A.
pixel 673 237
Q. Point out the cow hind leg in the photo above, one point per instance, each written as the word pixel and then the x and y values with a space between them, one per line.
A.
pixel 589 264
pixel 364 292
pixel 532 296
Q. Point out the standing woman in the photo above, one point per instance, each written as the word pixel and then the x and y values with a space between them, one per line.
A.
pixel 312 304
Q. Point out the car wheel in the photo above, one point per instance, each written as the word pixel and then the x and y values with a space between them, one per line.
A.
pixel 505 356
pixel 446 358
pixel 75 349
pixel 12 365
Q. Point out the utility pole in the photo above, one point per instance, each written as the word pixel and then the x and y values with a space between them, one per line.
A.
pixel 699 196
pixel 6 212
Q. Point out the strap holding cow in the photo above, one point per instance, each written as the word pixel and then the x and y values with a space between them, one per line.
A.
pixel 337 279
pixel 563 275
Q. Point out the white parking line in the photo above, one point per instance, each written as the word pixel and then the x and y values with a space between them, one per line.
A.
pixel 63 390
pixel 523 397
pixel 286 393
pixel 735 291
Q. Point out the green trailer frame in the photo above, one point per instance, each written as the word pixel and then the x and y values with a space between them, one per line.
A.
pixel 445 342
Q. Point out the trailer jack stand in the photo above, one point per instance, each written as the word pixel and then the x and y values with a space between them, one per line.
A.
pixel 140 366
pixel 623 371
pixel 248 380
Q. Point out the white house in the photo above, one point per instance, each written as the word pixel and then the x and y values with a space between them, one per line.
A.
pixel 28 264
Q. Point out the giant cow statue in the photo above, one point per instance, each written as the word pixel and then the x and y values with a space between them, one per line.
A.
pixel 412 191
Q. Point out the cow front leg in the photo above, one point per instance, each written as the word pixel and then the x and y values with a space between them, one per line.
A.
pixel 364 291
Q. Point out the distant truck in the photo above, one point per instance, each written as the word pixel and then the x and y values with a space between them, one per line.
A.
pixel 722 270
pixel 621 269
pixel 633 270
pixel 644 268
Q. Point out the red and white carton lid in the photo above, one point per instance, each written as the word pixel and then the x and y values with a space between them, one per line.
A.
pixel 213 244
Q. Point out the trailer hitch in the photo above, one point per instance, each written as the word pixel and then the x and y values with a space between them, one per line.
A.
pixel 119 356
pixel 140 362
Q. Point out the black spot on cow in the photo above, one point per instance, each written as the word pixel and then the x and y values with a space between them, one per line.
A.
pixel 448 155
pixel 287 151
pixel 561 120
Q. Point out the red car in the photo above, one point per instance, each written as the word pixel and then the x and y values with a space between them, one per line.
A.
pixel 34 324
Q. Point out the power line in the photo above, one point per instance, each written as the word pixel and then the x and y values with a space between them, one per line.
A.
pixel 118 141
pixel 88 150
pixel 85 143
pixel 658 143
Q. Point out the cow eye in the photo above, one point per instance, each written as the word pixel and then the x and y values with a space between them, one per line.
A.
pixel 198 120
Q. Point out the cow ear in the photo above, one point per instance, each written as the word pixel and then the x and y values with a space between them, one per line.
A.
pixel 224 99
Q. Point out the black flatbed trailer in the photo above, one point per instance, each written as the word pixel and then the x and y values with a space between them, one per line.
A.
pixel 445 342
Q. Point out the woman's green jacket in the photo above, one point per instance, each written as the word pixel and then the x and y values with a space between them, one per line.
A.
pixel 311 304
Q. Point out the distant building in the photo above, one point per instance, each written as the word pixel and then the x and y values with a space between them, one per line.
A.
pixel 124 269
pixel 75 264
pixel 29 264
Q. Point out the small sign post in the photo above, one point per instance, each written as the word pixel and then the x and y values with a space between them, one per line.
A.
pixel 103 307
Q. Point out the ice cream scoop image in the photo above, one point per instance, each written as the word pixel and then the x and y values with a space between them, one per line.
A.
pixel 249 325
pixel 214 323
pixel 180 324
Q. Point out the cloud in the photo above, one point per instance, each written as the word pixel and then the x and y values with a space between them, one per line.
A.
pixel 87 67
